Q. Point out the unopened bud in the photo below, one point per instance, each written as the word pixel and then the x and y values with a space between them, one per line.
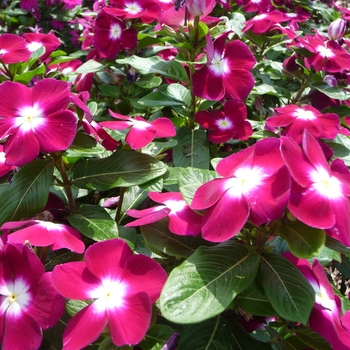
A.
pixel 196 7
pixel 337 29
pixel 170 31
pixel 331 80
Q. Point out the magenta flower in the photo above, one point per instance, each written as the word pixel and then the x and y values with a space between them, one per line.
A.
pixel 146 10
pixel 255 184
pixel 227 71
pixel 13 49
pixel 123 286
pixel 263 22
pixel 182 219
pixel 296 119
pixel 28 301
pixel 4 169
pixel 226 125
pixel 320 193
pixel 43 234
pixel 142 132
pixel 326 316
pixel 37 40
pixel 35 119
pixel 326 55
pixel 111 35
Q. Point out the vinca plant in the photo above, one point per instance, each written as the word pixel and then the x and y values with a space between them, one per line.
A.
pixel 174 175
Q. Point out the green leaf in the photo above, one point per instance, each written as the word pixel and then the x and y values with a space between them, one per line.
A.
pixel 156 337
pixel 328 255
pixel 160 240
pixel 312 339
pixel 344 266
pixel 218 334
pixel 84 145
pixel 205 284
pixel 110 90
pixel 26 77
pixel 254 301
pixel 90 66
pixel 192 149
pixel 170 69
pixel 333 92
pixel 286 287
pixel 180 93
pixel 123 168
pixel 148 81
pixel 28 192
pixel 304 241
pixel 74 306
pixel 191 178
pixel 159 98
pixel 336 245
pixel 94 222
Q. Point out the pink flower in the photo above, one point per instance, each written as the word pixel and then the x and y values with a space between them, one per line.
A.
pixel 13 49
pixel 110 35
pixel 263 22
pixel 320 193
pixel 226 125
pixel 37 40
pixel 325 318
pixel 35 119
pixel 296 119
pixel 4 169
pixel 326 55
pixel 43 234
pixel 28 5
pixel 28 302
pixel 146 10
pixel 182 219
pixel 255 184
pixel 142 132
pixel 123 287
pixel 227 71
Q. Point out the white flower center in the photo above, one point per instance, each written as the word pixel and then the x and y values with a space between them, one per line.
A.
pixel 260 17
pixel 224 124
pixel 109 295
pixel 218 65
pixel 34 46
pixel 175 206
pixel 30 117
pixel 133 8
pixel 303 114
pixel 115 32
pixel 3 51
pixel 141 125
pixel 324 51
pixel 17 297
pixel 326 185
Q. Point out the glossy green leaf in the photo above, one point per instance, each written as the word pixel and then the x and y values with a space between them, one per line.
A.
pixel 336 245
pixel 312 339
pixel 28 192
pixel 205 284
pixel 288 290
pixel 94 222
pixel 191 179
pixel 123 168
pixel 304 241
pixel 170 69
pixel 192 149
pixel 90 66
pixel 26 77
pixel 254 301
pixel 160 240
pixel 159 98
pixel 331 91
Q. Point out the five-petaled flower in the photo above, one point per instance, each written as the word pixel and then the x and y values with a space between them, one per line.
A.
pixel 255 184
pixel 123 287
pixel 320 193
pixel 35 119
pixel 43 234
pixel 141 132
pixel 13 49
pixel 182 219
pixel 28 301
pixel 227 73
pixel 223 126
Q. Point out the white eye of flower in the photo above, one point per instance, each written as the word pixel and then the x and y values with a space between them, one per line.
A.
pixel 224 124
pixel 30 117
pixel 34 46
pixel 324 51
pixel 115 32
pixel 218 65
pixel 303 114
pixel 133 8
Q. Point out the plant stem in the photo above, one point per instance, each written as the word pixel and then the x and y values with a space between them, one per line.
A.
pixel 120 203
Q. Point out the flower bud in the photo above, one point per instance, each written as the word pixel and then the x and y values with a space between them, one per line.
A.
pixel 196 7
pixel 337 29
pixel 330 80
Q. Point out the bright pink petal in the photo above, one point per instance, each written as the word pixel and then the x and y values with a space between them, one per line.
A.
pixel 21 332
pixel 239 56
pixel 140 137
pixel 84 328
pixel 340 231
pixel 226 218
pixel 50 95
pixel 129 38
pixel 129 324
pixel 13 49
pixel 34 235
pixel 115 253
pixel 238 83
pixel 164 127
pixel 67 237
pixel 208 85
pixel 143 274
pixel 21 148
pixel 185 222
pixel 58 132
pixel 74 281
pixel 116 125
pixel 149 215
pixel 47 306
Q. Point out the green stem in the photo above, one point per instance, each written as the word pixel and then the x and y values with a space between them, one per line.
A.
pixel 120 203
